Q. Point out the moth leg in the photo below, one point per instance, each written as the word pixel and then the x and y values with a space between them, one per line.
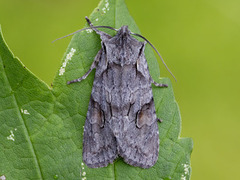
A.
pixel 157 84
pixel 159 120
pixel 94 65
pixel 83 77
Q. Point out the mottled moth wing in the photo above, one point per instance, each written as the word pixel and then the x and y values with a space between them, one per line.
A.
pixel 99 142
pixel 121 118
pixel 139 145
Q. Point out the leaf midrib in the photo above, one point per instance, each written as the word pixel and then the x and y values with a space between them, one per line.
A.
pixel 25 129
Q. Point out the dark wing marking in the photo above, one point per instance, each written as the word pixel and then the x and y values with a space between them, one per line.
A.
pixel 139 146
pixel 99 144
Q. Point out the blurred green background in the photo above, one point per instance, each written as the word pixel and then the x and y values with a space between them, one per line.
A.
pixel 199 40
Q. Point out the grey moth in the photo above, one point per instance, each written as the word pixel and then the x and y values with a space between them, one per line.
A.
pixel 121 119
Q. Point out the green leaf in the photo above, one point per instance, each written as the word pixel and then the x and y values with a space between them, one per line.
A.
pixel 41 129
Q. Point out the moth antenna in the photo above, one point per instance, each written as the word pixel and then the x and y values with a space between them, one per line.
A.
pixel 156 52
pixel 89 22
pixel 107 27
pixel 95 29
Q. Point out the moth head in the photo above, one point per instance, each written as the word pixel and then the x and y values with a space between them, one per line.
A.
pixel 124 31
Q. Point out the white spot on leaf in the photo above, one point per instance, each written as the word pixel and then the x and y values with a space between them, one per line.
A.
pixel 11 136
pixel 61 71
pixel 186 171
pixel 96 19
pixel 68 58
pixel 89 30
pixel 186 168
pixel 2 177
pixel 106 7
pixel 84 173
pixel 24 111
pixel 183 177
pixel 55 176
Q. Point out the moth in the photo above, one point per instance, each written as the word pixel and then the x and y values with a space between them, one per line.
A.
pixel 121 118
